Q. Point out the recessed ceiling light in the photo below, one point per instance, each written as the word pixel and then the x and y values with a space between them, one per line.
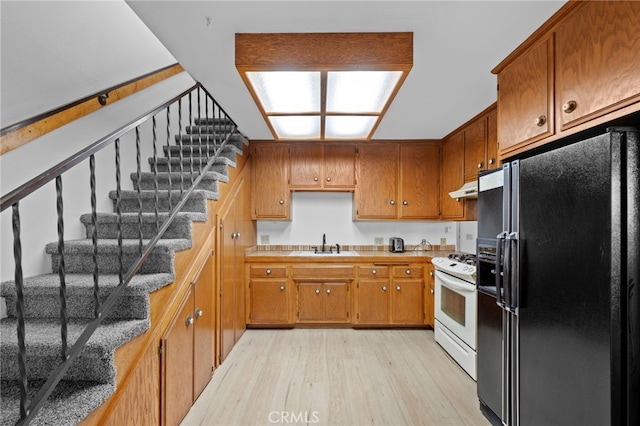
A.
pixel 320 86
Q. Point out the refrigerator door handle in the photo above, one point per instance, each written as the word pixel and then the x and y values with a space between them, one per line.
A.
pixel 513 302
pixel 499 273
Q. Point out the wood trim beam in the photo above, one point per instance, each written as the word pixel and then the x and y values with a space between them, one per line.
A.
pixel 23 134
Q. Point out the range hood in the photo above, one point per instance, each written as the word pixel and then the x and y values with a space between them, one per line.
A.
pixel 468 190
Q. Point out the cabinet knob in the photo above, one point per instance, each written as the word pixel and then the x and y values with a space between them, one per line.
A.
pixel 392 202
pixel 569 107
pixel 374 271
pixel 384 288
pixel 281 202
pixel 198 313
pixel 317 291
pixel 189 321
pixel 328 291
pixel 398 288
pixel 492 160
pixel 328 179
pixel 282 287
pixel 405 202
pixel 407 271
pixel 315 179
pixel 268 271
pixel 540 121
pixel 432 291
pixel 480 165
pixel 431 273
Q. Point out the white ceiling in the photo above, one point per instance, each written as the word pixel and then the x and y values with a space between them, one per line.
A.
pixel 456 44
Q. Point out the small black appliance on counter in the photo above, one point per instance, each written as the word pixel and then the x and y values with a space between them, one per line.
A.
pixel 396 245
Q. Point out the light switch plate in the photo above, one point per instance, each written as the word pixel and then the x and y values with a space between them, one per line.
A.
pixel 443 241
pixel 378 241
pixel 265 239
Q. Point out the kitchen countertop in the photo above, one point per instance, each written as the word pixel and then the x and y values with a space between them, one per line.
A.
pixel 362 256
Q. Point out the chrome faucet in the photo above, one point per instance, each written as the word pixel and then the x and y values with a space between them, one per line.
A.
pixel 324 241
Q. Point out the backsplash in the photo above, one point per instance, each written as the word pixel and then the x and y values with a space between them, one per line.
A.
pixel 345 248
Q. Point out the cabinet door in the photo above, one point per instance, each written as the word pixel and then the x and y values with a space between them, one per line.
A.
pixel 336 302
pixel 373 301
pixel 269 301
pixel 419 181
pixel 177 364
pixel 429 302
pixel 452 176
pixel 377 190
pixel 475 147
pixel 598 60
pixel 310 298
pixel 492 140
pixel 203 346
pixel 270 196
pixel 525 98
pixel 340 166
pixel 305 162
pixel 407 303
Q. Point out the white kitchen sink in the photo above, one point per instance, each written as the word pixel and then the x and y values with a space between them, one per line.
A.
pixel 326 253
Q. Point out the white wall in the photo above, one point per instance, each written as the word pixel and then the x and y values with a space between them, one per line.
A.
pixel 56 52
pixel 331 213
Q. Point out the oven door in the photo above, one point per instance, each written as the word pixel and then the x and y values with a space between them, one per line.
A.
pixel 455 306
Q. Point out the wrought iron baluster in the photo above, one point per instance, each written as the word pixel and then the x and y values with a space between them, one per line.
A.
pixel 61 270
pixel 119 212
pixel 200 134
pixel 206 114
pixel 190 141
pixel 169 155
pixel 19 284
pixel 155 171
pixel 139 172
pixel 94 236
pixel 181 153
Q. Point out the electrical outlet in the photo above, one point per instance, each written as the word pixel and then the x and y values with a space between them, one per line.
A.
pixel 378 241
pixel 265 239
pixel 443 241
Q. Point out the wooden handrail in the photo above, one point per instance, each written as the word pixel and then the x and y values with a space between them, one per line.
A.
pixel 18 134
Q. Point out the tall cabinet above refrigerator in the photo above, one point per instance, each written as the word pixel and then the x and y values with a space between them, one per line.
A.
pixel 558 270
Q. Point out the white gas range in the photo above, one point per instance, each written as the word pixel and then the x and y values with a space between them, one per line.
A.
pixel 455 308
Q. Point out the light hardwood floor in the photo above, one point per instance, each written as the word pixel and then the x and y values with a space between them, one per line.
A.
pixel 338 377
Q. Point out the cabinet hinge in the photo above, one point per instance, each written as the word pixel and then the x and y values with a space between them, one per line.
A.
pixel 347 314
pixel 249 315
pixel 358 284
pixel 160 349
pixel 357 315
pixel 298 314
pixel 221 224
pixel 213 369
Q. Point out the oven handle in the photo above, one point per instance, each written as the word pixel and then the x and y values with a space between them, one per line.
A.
pixel 453 285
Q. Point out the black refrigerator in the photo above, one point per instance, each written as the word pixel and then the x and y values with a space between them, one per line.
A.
pixel 558 273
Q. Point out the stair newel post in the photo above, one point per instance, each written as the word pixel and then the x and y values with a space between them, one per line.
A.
pixel 169 155
pixel 119 212
pixel 61 269
pixel 155 171
pixel 22 352
pixel 190 140
pixel 139 173
pixel 180 142
pixel 94 234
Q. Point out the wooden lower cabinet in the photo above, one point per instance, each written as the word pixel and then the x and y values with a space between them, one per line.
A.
pixel 407 295
pixel 187 348
pixel 323 302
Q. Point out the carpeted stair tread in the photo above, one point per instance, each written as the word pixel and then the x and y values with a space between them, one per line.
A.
pixel 229 151
pixel 41 295
pixel 209 181
pixel 220 165
pixel 79 255
pixel 211 139
pixel 197 202
pixel 43 343
pixel 107 224
pixel 70 402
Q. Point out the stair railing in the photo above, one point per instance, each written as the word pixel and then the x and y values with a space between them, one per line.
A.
pixel 223 128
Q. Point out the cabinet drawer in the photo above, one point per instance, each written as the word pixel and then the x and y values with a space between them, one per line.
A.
pixel 408 271
pixel 323 272
pixel 268 271
pixel 373 271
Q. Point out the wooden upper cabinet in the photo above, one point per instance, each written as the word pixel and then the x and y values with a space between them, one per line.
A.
pixel 475 149
pixel 598 61
pixel 321 166
pixel 270 195
pixel 525 98
pixel 419 181
pixel 492 139
pixel 377 176
pixel 452 176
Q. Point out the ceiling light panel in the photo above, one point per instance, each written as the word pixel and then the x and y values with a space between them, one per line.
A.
pixel 360 91
pixel 296 127
pixel 287 91
pixel 349 126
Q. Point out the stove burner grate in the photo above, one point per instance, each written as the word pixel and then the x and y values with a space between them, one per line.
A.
pixel 469 259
